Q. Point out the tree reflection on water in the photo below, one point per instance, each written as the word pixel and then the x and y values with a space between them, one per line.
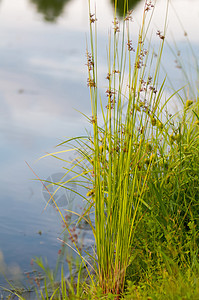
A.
pixel 51 9
pixel 120 5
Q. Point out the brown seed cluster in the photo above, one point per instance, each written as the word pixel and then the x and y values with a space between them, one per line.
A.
pixel 148 5
pixel 74 235
pixel 153 89
pixel 92 18
pixel 108 77
pixel 90 65
pixel 93 120
pixel 130 47
pixel 149 80
pixel 90 62
pixel 139 63
pixel 129 16
pixel 116 26
pixel 111 96
pixel 161 36
pixel 91 82
pixel 143 85
pixel 110 93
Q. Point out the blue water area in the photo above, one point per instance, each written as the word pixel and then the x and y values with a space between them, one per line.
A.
pixel 42 82
pixel 43 89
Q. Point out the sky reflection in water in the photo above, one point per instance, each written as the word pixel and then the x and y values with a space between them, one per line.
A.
pixel 42 81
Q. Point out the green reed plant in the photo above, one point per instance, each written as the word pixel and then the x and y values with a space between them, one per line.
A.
pixel 135 166
pixel 119 151
pixel 139 168
pixel 120 148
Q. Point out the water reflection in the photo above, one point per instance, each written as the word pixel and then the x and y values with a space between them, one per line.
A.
pixel 51 9
pixel 10 271
pixel 120 5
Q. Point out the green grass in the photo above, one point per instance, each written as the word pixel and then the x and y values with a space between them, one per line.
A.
pixel 140 170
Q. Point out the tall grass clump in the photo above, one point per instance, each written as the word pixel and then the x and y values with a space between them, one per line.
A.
pixel 139 167
pixel 121 145
pixel 117 158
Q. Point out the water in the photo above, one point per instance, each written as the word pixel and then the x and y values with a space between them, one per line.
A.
pixel 42 85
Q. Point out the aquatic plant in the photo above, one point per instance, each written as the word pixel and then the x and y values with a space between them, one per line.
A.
pixel 134 163
pixel 139 167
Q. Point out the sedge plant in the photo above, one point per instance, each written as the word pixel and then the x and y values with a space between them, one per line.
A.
pixel 134 164
pixel 120 150
pixel 116 159
pixel 139 167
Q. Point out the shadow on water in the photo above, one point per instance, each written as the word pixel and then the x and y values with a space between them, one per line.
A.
pixel 120 5
pixel 51 9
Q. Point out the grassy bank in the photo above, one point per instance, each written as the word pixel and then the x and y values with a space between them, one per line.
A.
pixel 140 169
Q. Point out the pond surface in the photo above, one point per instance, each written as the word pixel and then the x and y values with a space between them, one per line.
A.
pixel 42 85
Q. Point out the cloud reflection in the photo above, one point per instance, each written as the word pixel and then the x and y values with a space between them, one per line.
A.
pixel 12 271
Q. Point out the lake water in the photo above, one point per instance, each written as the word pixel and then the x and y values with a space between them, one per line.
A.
pixel 43 82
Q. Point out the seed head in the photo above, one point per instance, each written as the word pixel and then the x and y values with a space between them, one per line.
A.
pixel 161 36
pixel 92 18
pixel 153 121
pixel 129 16
pixel 90 62
pixel 148 5
pixel 108 77
pixel 110 93
pixel 90 193
pixel 197 122
pixel 116 25
pixel 189 103
pixel 93 119
pixel 160 125
pixel 91 82
pixel 130 47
